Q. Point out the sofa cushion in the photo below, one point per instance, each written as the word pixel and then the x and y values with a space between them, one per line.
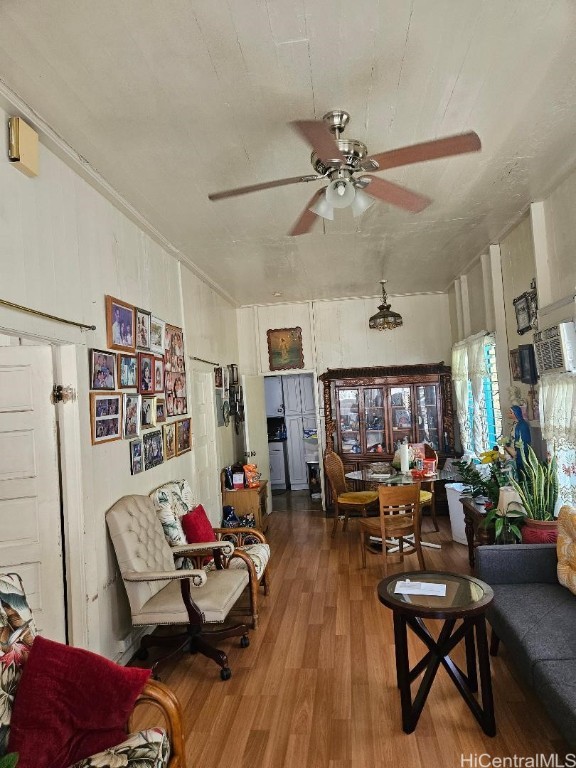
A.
pixel 149 748
pixel 566 548
pixel 555 682
pixel 258 553
pixel 70 704
pixel 197 527
pixel 17 632
pixel 536 622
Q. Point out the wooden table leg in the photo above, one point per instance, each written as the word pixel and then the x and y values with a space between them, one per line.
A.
pixel 488 721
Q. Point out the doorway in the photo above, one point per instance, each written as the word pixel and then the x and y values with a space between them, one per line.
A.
pixel 292 422
pixel 31 519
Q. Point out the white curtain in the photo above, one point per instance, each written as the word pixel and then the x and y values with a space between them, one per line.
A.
pixel 460 379
pixel 558 419
pixel 477 373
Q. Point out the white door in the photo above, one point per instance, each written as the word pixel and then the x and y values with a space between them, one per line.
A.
pixel 297 469
pixel 292 398
pixel 30 517
pixel 307 392
pixel 255 432
pixel 274 399
pixel 206 470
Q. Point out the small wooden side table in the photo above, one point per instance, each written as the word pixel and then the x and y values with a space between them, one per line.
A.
pixel 250 501
pixel 466 599
pixel 476 532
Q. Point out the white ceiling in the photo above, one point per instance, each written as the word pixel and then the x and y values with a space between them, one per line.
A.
pixel 172 99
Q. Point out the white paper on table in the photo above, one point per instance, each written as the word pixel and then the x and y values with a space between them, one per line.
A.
pixel 419 588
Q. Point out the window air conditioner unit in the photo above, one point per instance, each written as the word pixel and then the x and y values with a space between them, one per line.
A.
pixel 555 349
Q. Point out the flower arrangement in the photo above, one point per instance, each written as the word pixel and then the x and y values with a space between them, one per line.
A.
pixel 9 761
pixel 488 483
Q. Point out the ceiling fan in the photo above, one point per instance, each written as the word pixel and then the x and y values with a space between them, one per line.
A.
pixel 347 166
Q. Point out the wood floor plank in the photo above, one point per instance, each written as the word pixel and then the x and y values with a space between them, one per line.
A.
pixel 317 686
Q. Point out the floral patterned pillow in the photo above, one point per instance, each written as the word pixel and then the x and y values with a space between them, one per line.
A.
pixel 146 749
pixel 166 505
pixel 17 632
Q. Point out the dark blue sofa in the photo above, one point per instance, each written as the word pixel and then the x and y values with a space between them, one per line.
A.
pixel 535 617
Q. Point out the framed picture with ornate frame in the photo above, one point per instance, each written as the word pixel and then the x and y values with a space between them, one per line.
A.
pixel 526 309
pixel 285 348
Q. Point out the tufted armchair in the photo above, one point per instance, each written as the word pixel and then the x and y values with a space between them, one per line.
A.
pixel 159 594
pixel 160 746
pixel 251 551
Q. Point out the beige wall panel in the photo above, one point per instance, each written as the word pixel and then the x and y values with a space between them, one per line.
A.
pixel 344 339
pixel 452 313
pixel 561 231
pixel 476 299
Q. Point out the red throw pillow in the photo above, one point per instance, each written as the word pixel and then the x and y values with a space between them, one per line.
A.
pixel 70 704
pixel 197 527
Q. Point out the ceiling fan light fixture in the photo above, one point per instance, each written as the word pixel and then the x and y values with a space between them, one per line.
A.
pixel 385 319
pixel 340 193
pixel 323 208
pixel 361 203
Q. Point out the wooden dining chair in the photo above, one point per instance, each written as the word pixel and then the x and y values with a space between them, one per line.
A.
pixel 398 525
pixel 344 499
pixel 428 500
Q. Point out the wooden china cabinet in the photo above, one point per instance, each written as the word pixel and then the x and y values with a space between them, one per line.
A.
pixel 368 411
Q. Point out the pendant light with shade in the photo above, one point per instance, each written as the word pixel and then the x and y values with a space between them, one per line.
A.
pixel 385 319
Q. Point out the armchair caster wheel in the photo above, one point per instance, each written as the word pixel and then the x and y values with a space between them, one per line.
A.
pixel 244 641
pixel 225 673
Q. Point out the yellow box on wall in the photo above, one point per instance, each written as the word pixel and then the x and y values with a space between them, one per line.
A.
pixel 23 146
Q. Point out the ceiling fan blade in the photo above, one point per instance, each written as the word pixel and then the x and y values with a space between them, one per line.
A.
pixel 257 187
pixel 428 150
pixel 318 135
pixel 307 218
pixel 395 194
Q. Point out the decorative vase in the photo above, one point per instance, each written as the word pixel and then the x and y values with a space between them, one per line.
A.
pixel 539 531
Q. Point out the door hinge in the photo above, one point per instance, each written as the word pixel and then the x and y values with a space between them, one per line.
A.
pixel 62 394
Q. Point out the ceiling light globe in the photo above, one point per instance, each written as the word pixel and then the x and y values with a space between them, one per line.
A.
pixel 340 193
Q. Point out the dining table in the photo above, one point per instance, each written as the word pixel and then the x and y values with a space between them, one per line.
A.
pixel 370 479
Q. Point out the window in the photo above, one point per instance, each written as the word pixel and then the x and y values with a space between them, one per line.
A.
pixel 476 384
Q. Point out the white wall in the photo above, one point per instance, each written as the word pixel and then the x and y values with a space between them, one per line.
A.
pixel 63 246
pixel 335 334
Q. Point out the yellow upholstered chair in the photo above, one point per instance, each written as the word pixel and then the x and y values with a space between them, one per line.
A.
pixel 428 500
pixel 398 524
pixel 344 499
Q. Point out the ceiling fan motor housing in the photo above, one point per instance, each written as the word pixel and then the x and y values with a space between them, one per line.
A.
pixel 354 152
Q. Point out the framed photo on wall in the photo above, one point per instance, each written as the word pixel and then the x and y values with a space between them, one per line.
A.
pixel 157 335
pixel 526 309
pixel 148 418
pixel 529 373
pixel 102 369
pixel 285 348
pixel 169 434
pixel 131 408
pixel 120 324
pixel 142 329
pixel 515 369
pixel 127 371
pixel 105 417
pixel 145 373
pixel 153 449
pixel 183 436
pixel 136 458
pixel 159 374
pixel 160 410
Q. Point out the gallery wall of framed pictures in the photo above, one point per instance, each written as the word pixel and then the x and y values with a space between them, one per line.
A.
pixel 138 384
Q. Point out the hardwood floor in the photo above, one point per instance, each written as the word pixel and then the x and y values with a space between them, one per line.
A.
pixel 316 688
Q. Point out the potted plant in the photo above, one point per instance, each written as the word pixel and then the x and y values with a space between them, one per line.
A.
pixel 9 761
pixel 537 486
pixel 484 485
pixel 506 523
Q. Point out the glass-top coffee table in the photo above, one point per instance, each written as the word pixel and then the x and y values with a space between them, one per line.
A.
pixel 466 599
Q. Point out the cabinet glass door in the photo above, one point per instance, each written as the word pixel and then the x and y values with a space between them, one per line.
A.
pixel 427 414
pixel 349 420
pixel 401 413
pixel 374 424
